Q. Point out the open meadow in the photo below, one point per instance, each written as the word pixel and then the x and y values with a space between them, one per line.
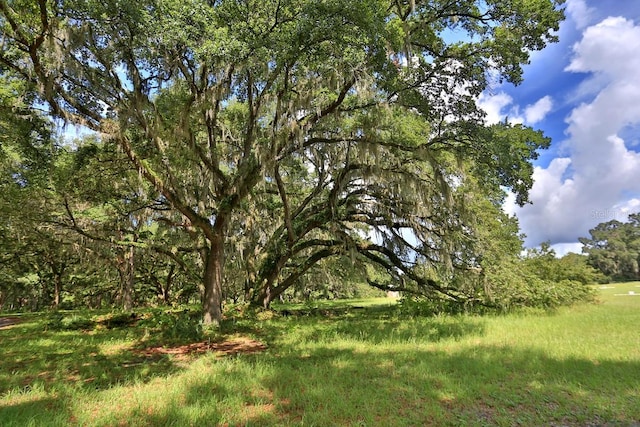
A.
pixel 371 365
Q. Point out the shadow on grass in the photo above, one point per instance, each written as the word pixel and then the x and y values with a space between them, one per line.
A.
pixel 361 371
pixel 400 331
pixel 36 359
pixel 35 412
pixel 326 376
pixel 478 387
pixel 373 324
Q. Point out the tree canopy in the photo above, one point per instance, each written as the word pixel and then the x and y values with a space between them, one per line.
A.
pixel 286 134
pixel 614 248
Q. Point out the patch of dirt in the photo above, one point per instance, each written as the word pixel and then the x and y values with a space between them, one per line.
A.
pixel 5 322
pixel 224 348
pixel 256 410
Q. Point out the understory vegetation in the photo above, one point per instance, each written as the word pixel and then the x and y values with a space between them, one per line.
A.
pixel 356 362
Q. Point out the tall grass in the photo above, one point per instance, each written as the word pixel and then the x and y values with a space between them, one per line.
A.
pixel 368 366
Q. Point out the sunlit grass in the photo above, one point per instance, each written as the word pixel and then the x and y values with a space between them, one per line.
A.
pixel 338 303
pixel 369 366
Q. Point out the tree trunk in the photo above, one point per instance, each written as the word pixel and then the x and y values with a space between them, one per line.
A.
pixel 270 292
pixel 128 294
pixel 250 271
pixel 126 269
pixel 212 303
pixel 57 271
pixel 166 289
pixel 263 291
pixel 266 297
pixel 57 290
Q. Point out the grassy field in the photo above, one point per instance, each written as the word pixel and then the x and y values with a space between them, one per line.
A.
pixel 334 365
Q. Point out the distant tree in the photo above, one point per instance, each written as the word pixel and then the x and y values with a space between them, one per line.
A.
pixel 121 220
pixel 544 263
pixel 614 248
pixel 76 219
pixel 576 267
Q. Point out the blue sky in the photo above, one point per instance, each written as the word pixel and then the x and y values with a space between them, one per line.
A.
pixel 583 92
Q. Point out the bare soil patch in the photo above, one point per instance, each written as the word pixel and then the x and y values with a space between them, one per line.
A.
pixel 5 322
pixel 224 348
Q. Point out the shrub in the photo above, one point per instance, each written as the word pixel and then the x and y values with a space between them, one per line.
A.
pixel 183 325
pixel 75 322
pixel 53 322
pixel 120 320
pixel 430 306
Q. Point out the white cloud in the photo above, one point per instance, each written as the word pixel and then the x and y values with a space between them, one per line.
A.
pixel 587 89
pixel 575 193
pixel 579 13
pixel 535 113
pixel 500 106
pixel 610 47
pixel 621 211
pixel 561 249
pixel 493 106
pixel 510 206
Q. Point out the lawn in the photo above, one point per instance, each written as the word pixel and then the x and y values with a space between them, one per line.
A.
pixel 358 363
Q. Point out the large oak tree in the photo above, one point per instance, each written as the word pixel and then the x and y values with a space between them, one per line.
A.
pixel 305 129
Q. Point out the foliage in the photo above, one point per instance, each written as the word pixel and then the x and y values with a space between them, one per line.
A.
pixel 285 133
pixel 522 291
pixel 172 325
pixel 543 281
pixel 489 272
pixel 72 322
pixel 614 248
pixel 26 154
pixel 546 265
pixel 161 324
pixel 118 320
pixel 92 235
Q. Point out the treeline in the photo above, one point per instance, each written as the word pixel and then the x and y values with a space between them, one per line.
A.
pixel 81 229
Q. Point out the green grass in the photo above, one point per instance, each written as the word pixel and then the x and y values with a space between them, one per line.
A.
pixel 367 366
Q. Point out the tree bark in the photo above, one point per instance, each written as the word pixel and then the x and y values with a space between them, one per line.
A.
pixel 271 292
pixel 166 289
pixel 213 275
pixel 126 267
pixel 127 296
pixel 57 290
